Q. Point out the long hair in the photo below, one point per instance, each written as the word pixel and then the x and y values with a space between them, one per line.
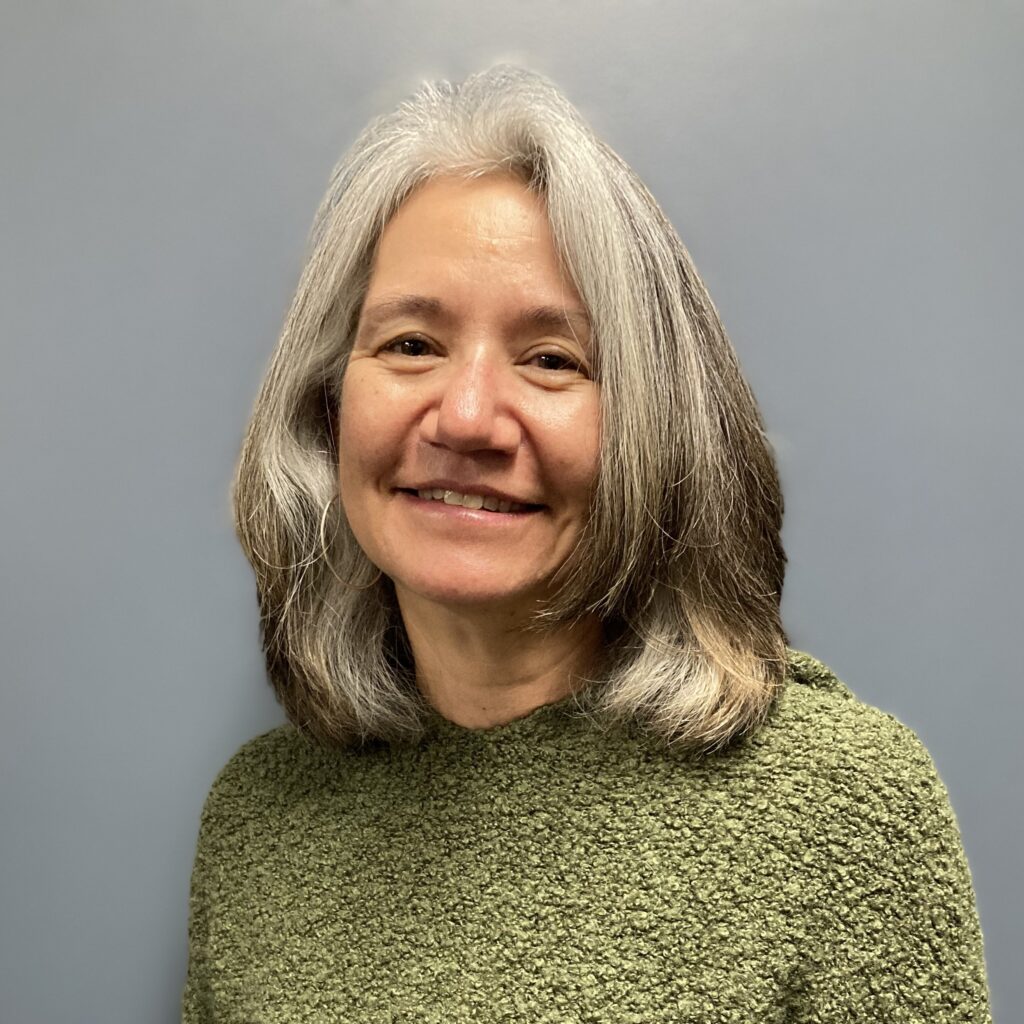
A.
pixel 680 557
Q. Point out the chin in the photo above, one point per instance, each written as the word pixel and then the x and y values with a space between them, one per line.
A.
pixel 470 593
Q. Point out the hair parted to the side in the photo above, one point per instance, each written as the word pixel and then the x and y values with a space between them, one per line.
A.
pixel 681 556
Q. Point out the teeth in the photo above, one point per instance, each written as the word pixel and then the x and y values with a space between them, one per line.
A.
pixel 474 501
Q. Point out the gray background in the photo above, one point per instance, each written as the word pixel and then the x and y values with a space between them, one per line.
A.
pixel 847 178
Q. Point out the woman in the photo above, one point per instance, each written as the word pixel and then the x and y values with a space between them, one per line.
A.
pixel 515 527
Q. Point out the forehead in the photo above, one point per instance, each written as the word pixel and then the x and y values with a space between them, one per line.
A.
pixel 492 226
pixel 490 206
pixel 462 248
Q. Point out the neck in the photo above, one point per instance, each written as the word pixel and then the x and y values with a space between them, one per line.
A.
pixel 480 668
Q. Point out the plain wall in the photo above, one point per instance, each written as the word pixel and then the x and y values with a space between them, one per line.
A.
pixel 847 178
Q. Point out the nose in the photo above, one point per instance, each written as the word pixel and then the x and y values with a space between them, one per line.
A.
pixel 473 409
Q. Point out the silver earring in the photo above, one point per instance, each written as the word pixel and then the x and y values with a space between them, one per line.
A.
pixel 323 550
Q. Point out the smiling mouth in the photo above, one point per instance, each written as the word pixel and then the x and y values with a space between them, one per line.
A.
pixel 471 502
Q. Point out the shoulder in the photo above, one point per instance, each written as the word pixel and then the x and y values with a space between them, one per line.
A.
pixel 265 773
pixel 884 879
pixel 271 753
pixel 817 708
pixel 867 770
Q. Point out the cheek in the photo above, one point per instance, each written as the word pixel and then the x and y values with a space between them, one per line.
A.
pixel 356 432
pixel 586 471
pixel 579 449
pixel 372 433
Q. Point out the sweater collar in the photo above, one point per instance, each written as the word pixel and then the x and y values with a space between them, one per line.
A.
pixel 543 720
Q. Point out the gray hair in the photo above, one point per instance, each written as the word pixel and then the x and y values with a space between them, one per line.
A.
pixel 681 556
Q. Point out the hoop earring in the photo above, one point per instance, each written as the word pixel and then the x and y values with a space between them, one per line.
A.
pixel 327 559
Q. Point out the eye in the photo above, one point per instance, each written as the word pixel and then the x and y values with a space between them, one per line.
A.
pixel 557 361
pixel 408 345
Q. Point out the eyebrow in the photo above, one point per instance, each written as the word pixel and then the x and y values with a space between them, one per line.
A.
pixel 540 318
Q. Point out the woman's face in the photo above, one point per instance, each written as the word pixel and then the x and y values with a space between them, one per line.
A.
pixel 469 377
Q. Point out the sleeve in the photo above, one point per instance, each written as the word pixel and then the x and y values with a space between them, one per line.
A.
pixel 197 998
pixel 894 935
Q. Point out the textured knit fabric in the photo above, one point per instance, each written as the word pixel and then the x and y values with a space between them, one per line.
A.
pixel 545 871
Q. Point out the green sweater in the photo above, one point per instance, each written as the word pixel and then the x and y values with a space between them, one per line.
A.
pixel 541 871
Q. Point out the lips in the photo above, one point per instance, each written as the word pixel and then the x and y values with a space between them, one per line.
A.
pixel 474 502
pixel 463 489
pixel 472 507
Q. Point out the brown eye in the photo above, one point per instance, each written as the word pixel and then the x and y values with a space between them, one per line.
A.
pixel 556 361
pixel 408 346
